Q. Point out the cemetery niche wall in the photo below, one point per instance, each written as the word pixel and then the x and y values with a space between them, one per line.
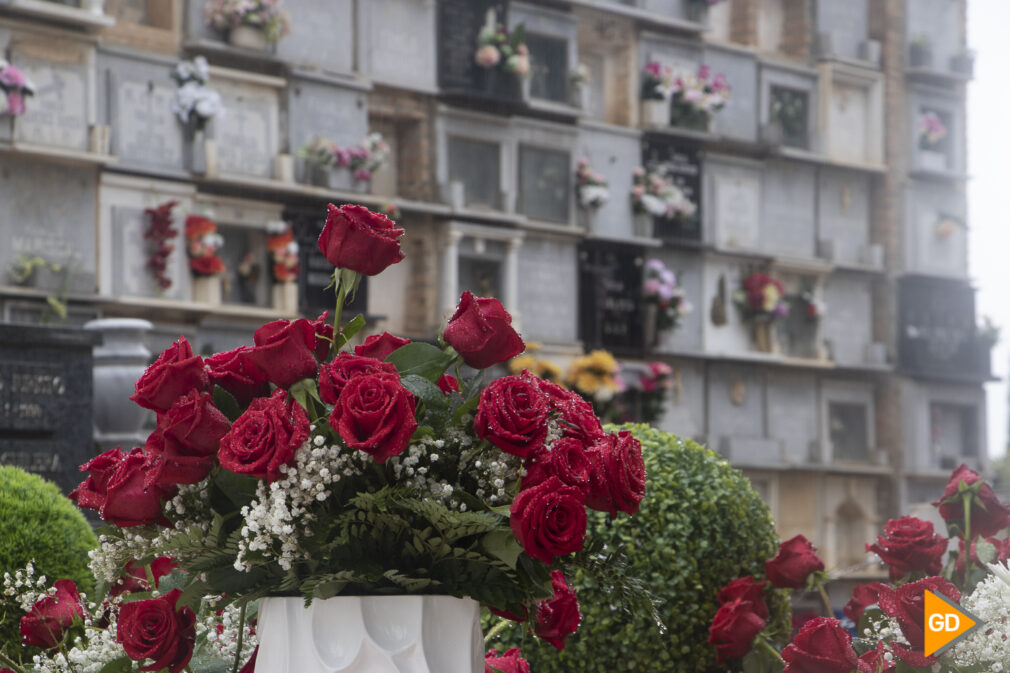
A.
pixel 610 297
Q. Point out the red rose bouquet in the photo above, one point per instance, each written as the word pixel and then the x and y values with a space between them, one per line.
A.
pixel 886 625
pixel 202 244
pixel 283 251
pixel 761 298
pixel 294 467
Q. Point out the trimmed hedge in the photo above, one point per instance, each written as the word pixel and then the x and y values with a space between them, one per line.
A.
pixel 700 525
pixel 38 523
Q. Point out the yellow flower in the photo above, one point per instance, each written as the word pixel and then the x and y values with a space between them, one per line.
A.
pixel 593 372
pixel 521 362
pixel 771 297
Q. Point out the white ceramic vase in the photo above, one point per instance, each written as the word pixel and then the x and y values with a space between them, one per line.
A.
pixel 655 112
pixel 248 37
pixel 370 634
pixel 285 297
pixel 207 290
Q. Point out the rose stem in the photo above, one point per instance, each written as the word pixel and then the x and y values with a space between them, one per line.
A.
pixel 495 630
pixel 9 663
pixel 341 294
pixel 824 597
pixel 241 632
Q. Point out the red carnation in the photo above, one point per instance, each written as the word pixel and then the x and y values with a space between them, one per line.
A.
pixel 355 238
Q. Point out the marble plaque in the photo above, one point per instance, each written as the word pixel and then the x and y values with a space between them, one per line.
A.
pixel 57 113
pixel 547 284
pixel 130 275
pixel 787 200
pixel 146 131
pixel 322 34
pixel 850 112
pixel 247 135
pixel 847 22
pixel 737 210
pixel 409 59
pixel 322 109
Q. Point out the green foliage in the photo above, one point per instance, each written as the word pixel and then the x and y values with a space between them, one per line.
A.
pixel 39 524
pixel 701 525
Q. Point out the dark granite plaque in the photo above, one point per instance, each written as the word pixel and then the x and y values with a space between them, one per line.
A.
pixel 459 23
pixel 316 271
pixel 682 164
pixel 45 400
pixel 610 296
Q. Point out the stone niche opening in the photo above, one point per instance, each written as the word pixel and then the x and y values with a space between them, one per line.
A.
pixel 607 47
pixel 146 24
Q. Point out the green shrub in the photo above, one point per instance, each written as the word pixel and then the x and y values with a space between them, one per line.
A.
pixel 37 523
pixel 700 525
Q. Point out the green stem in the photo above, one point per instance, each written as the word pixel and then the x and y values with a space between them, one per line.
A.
pixel 496 629
pixel 824 597
pixel 767 647
pixel 9 663
pixel 241 633
pixel 966 499
pixel 338 310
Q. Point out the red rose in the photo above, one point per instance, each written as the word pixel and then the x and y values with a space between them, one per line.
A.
pixel 909 545
pixel 45 623
pixel 195 422
pixel 510 662
pixel 578 420
pixel 285 350
pixel 155 629
pixel 558 617
pixel 616 474
pixel 135 576
pixel 355 238
pixel 172 463
pixel 250 666
pixel 794 563
pixel 265 437
pixel 379 346
pixel 549 520
pixel 821 646
pixel 333 376
pixel 876 661
pixel 375 414
pixel 448 384
pixel 324 336
pixel 566 460
pixel 512 415
pixel 173 374
pixel 520 616
pixel 863 596
pixel 734 628
pixel 90 493
pixel 235 372
pixel 209 265
pixel 907 605
pixel 747 589
pixel 988 514
pixel 118 489
pixel 481 332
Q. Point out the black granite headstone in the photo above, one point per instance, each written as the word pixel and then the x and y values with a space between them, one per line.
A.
pixel 937 337
pixel 45 400
pixel 315 274
pixel 459 24
pixel 610 296
pixel 681 163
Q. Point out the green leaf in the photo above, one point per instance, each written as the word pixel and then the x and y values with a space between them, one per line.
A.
pixel 420 359
pixel 465 408
pixel 59 307
pixel 349 330
pixel 120 665
pixel 226 403
pixel 502 544
pixel 193 594
pixel 985 551
pixel 426 391
pixel 240 489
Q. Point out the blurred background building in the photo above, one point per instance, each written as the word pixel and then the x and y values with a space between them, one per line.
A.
pixel 835 167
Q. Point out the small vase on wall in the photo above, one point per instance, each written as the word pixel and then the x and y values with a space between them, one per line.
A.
pixel 764 340
pixel 207 290
pixel 248 37
pixel 655 112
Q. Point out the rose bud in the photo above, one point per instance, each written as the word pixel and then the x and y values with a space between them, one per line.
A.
pixel 285 350
pixel 135 576
pixel 558 617
pixel 988 514
pixel 734 628
pixel 379 346
pixel 46 622
pixel 748 589
pixel 909 545
pixel 448 384
pixel 863 596
pixel 821 646
pixel 157 629
pixel 794 563
pixel 265 437
pixel 355 238
pixel 549 520
pixel 324 335
pixel 481 332
pixel 173 374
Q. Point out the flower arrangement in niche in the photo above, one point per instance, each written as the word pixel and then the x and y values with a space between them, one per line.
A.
pixel 16 86
pixel 264 15
pixel 325 153
pixel 660 289
pixel 656 195
pixel 643 391
pixel 202 244
pixel 656 81
pixel 158 237
pixel 695 98
pixel 813 307
pixel 195 103
pixel 283 250
pixel 591 188
pixel 788 111
pixel 390 210
pixel 932 131
pixel 497 48
pixel 761 298
pixel 297 467
pixel 888 618
pixel 369 157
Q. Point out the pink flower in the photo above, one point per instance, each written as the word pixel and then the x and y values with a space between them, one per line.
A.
pixel 487 56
